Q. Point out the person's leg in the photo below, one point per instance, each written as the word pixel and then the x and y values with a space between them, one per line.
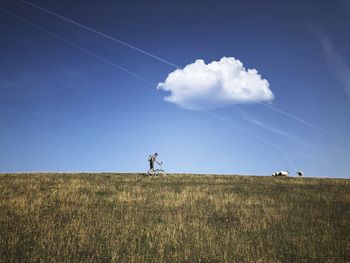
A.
pixel 151 168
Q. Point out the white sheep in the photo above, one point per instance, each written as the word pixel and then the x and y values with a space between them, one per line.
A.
pixel 281 173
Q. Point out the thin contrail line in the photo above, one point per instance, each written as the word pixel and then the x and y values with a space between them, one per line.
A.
pixel 231 123
pixel 83 49
pixel 301 120
pixel 101 34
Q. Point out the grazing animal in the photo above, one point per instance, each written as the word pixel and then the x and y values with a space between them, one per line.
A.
pixel 281 173
pixel 300 173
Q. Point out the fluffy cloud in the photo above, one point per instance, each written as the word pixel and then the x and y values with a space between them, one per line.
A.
pixel 201 86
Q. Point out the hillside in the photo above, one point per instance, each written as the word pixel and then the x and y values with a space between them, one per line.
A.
pixel 179 218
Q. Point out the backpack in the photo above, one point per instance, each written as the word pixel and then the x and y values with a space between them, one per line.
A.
pixel 149 158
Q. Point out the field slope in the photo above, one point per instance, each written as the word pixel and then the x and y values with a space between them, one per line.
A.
pixel 179 218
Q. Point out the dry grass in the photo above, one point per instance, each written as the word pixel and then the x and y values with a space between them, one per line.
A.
pixel 181 218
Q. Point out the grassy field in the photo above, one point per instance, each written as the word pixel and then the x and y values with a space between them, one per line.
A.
pixel 179 218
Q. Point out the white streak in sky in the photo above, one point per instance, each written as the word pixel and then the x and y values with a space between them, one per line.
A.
pixel 83 49
pixel 231 123
pixel 307 123
pixel 101 34
pixel 339 68
pixel 266 126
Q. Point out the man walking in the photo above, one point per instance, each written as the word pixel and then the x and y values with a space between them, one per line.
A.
pixel 152 159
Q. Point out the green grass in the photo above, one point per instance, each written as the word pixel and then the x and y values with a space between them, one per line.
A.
pixel 179 218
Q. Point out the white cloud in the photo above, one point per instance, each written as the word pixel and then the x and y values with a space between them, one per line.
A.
pixel 201 86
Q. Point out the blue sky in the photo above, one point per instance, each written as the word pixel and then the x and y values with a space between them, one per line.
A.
pixel 62 109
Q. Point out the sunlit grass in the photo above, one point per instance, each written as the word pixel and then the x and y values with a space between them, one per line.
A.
pixel 179 218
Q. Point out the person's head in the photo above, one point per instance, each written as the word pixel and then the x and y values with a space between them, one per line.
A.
pixel 156 154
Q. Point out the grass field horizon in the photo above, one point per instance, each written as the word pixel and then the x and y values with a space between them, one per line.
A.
pixel 171 173
pixel 129 217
